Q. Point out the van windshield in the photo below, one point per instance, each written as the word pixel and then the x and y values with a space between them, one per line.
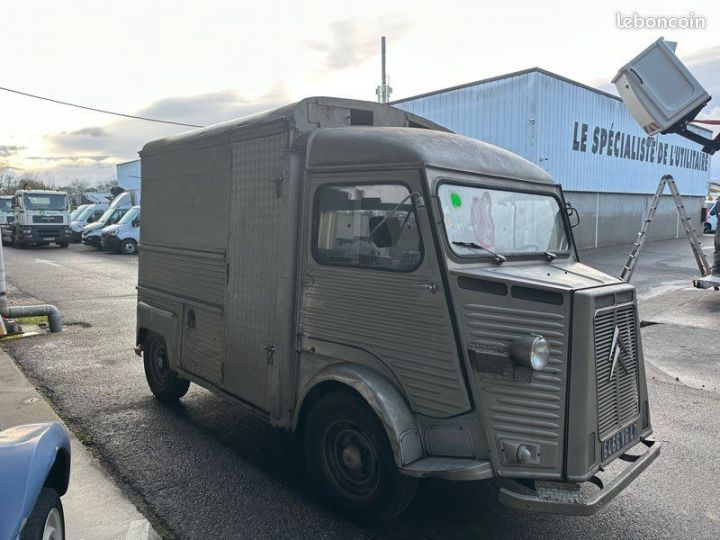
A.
pixel 506 222
pixel 130 216
pixel 84 213
pixel 5 205
pixel 45 202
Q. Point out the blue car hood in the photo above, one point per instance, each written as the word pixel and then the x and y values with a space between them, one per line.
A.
pixel 27 453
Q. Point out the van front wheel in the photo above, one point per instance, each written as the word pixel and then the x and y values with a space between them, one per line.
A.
pixel 128 246
pixel 167 386
pixel 350 458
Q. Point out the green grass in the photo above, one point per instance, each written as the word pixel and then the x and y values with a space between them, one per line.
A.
pixel 32 320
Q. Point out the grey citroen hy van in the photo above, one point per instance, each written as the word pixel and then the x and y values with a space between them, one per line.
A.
pixel 408 300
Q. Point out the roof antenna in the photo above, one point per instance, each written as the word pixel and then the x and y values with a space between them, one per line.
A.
pixel 383 91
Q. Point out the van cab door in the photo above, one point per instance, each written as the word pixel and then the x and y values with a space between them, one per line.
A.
pixel 372 286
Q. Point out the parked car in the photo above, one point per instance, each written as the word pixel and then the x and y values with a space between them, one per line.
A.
pixel 91 214
pixel 124 236
pixel 710 221
pixel 34 474
pixel 92 233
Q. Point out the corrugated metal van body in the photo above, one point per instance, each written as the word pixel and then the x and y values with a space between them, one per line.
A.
pixel 565 128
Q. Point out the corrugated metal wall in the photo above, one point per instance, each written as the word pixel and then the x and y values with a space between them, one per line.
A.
pixel 565 128
pixel 499 112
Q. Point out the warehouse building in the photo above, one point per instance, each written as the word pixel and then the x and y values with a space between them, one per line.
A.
pixel 587 140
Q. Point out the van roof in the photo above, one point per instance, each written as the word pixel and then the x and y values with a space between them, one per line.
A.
pixel 349 147
pixel 305 115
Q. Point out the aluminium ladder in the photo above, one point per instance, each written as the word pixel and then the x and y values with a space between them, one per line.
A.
pixel 700 258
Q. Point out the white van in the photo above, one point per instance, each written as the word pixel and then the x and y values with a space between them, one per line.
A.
pixel 124 236
pixel 92 233
pixel 89 214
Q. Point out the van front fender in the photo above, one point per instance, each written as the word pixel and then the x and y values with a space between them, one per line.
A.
pixel 384 399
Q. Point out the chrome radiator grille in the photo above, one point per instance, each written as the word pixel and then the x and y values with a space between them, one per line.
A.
pixel 617 371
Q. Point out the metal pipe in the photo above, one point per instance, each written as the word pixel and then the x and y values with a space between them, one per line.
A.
pixel 43 310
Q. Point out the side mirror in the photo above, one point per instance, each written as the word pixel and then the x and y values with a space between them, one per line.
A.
pixel 573 215
pixel 136 222
pixel 384 232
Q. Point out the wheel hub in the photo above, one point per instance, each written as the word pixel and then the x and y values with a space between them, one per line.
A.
pixel 352 457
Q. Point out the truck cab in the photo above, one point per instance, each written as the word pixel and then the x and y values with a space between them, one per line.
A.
pixel 40 218
pixel 408 300
pixel 6 211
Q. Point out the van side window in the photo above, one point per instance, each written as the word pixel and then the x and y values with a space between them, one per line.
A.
pixel 366 225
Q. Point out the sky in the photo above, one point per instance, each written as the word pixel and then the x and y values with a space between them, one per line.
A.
pixel 206 62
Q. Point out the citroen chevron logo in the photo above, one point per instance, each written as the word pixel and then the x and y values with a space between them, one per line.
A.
pixel 617 352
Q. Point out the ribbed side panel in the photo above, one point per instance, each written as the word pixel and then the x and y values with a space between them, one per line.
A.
pixel 531 410
pixel 256 249
pixel 387 314
pixel 184 273
pixel 618 397
pixel 202 345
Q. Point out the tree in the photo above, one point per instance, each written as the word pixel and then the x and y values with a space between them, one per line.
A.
pixel 7 178
pixel 75 191
pixel 106 185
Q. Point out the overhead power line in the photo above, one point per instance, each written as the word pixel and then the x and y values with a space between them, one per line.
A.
pixel 103 111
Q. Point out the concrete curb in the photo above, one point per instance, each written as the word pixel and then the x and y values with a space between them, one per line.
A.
pixel 95 508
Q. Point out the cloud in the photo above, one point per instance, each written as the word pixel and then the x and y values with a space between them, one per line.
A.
pixel 354 41
pixel 7 150
pixel 96 149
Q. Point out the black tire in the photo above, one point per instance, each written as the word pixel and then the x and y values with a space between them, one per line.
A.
pixel 63 244
pixel 707 228
pixel 47 503
pixel 16 243
pixel 128 247
pixel 350 459
pixel 167 386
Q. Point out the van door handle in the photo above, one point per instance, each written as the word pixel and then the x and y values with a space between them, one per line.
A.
pixel 429 287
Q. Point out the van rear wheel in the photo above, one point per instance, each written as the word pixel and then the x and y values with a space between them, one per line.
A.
pixel 350 459
pixel 167 386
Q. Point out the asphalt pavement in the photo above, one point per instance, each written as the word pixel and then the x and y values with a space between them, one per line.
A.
pixel 205 469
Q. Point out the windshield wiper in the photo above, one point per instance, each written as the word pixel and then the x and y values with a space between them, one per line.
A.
pixel 499 259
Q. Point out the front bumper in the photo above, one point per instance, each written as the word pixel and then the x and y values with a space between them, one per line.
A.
pixel 110 242
pixel 566 497
pixel 93 240
pixel 41 234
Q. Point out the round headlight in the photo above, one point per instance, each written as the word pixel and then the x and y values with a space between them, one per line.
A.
pixel 539 353
pixel 531 351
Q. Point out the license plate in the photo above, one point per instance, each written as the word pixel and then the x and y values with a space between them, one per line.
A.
pixel 619 441
pixel 48 238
